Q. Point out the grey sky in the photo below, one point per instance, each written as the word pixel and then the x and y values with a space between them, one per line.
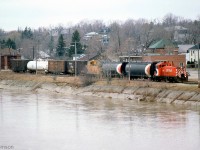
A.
pixel 43 13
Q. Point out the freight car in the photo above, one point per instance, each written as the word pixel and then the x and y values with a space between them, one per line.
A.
pixel 79 64
pixel 116 69
pixel 40 65
pixel 66 67
pixel 19 65
pixel 156 71
pixel 110 69
pixel 57 66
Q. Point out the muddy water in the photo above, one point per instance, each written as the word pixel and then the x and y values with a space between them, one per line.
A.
pixel 30 121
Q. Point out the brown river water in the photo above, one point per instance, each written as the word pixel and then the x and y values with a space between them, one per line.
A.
pixel 35 121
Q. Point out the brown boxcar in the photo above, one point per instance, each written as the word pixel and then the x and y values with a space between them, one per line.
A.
pixel 57 66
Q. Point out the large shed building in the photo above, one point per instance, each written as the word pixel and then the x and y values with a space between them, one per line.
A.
pixel 6 55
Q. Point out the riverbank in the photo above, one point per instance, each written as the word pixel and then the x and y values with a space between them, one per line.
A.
pixel 172 93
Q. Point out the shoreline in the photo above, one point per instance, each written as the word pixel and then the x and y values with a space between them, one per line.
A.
pixel 137 90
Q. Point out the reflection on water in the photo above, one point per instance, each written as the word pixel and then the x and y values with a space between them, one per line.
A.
pixel 30 121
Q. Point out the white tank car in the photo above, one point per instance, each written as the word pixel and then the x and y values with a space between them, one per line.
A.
pixel 41 65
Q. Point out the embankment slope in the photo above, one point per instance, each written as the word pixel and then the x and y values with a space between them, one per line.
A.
pixel 173 93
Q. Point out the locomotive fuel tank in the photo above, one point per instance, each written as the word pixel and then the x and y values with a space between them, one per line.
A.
pixel 40 64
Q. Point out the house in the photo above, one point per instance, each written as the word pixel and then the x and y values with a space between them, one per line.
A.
pixel 193 53
pixel 163 47
pixel 90 35
pixel 6 55
pixel 180 33
pixel 103 38
pixel 184 49
pixel 88 57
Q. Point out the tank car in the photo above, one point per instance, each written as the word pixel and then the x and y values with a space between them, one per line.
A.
pixel 112 69
pixel 136 70
pixel 40 65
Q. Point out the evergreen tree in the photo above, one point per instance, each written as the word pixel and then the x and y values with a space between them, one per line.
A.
pixel 75 39
pixel 27 33
pixel 3 44
pixel 10 44
pixel 60 50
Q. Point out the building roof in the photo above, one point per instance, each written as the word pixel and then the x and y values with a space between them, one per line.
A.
pixel 9 51
pixel 184 48
pixel 162 44
pixel 89 56
pixel 91 34
pixel 176 28
pixel 197 46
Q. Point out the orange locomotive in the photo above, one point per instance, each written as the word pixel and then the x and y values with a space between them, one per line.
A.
pixel 167 71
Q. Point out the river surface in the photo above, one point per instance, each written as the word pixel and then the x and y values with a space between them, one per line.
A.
pixel 32 121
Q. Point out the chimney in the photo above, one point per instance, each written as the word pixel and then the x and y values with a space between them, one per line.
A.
pixel 175 52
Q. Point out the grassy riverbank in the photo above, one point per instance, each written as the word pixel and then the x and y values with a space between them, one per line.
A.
pixel 139 90
pixel 191 85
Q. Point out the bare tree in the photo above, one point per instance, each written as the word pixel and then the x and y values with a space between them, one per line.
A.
pixel 115 37
pixel 170 20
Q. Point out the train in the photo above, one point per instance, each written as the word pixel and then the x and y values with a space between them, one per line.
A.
pixel 156 70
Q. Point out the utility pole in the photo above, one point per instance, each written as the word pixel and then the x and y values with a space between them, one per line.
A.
pixel 33 53
pixel 0 56
pixel 75 60
pixel 198 66
pixel 36 55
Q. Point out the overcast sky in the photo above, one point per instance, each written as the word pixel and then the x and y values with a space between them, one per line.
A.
pixel 43 13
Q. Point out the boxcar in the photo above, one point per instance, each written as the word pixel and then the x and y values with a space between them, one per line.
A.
pixel 57 66
pixel 19 65
pixel 81 67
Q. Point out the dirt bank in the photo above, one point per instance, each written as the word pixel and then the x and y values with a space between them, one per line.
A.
pixel 139 90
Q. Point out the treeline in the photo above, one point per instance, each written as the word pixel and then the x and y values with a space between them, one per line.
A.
pixel 124 37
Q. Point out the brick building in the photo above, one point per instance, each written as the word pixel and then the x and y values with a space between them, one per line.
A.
pixel 163 50
pixel 6 55
pixel 177 60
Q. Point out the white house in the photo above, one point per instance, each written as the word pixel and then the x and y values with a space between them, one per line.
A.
pixel 193 53
pixel 184 49
pixel 89 35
